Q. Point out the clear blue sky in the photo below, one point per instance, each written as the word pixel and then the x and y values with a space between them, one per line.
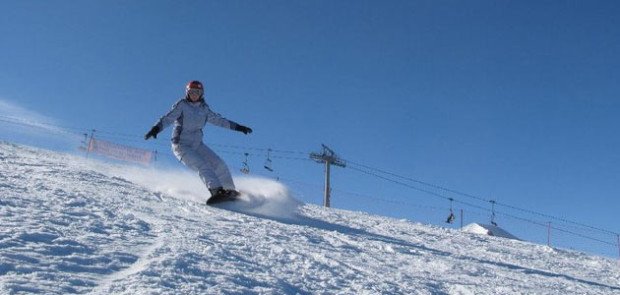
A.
pixel 515 101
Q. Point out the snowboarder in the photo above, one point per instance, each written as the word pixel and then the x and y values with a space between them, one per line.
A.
pixel 189 116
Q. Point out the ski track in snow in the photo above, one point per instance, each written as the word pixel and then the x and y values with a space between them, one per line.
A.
pixel 71 226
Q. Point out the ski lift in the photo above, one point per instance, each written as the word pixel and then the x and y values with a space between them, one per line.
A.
pixel 268 161
pixel 245 169
pixel 451 217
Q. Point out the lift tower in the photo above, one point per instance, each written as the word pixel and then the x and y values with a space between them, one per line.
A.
pixel 329 158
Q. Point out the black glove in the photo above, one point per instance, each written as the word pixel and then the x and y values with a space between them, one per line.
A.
pixel 243 129
pixel 152 133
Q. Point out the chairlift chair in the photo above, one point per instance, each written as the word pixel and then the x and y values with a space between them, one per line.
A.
pixel 268 161
pixel 245 169
pixel 451 217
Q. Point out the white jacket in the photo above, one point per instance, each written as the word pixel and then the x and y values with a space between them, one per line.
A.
pixel 189 118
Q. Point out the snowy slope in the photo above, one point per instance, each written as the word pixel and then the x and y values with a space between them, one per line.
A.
pixel 74 226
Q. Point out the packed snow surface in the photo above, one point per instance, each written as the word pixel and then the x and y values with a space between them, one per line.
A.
pixel 71 225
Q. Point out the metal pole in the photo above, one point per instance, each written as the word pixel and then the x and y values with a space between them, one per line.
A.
pixel 549 234
pixel 90 142
pixel 328 157
pixel 326 201
pixel 493 213
pixel 461 218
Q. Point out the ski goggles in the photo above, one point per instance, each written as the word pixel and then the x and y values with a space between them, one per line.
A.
pixel 194 91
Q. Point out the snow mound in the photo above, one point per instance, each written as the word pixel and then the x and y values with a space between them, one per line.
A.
pixel 489 230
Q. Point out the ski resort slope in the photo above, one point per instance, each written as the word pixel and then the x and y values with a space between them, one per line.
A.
pixel 70 225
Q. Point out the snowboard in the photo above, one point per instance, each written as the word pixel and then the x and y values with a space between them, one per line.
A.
pixel 231 196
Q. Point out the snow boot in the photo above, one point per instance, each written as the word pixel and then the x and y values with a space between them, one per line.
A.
pixel 219 195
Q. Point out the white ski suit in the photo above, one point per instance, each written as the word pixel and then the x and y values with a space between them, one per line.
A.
pixel 189 118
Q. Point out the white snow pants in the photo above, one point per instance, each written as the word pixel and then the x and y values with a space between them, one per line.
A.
pixel 210 167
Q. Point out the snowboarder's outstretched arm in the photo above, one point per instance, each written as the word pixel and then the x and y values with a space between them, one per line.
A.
pixel 217 120
pixel 165 121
